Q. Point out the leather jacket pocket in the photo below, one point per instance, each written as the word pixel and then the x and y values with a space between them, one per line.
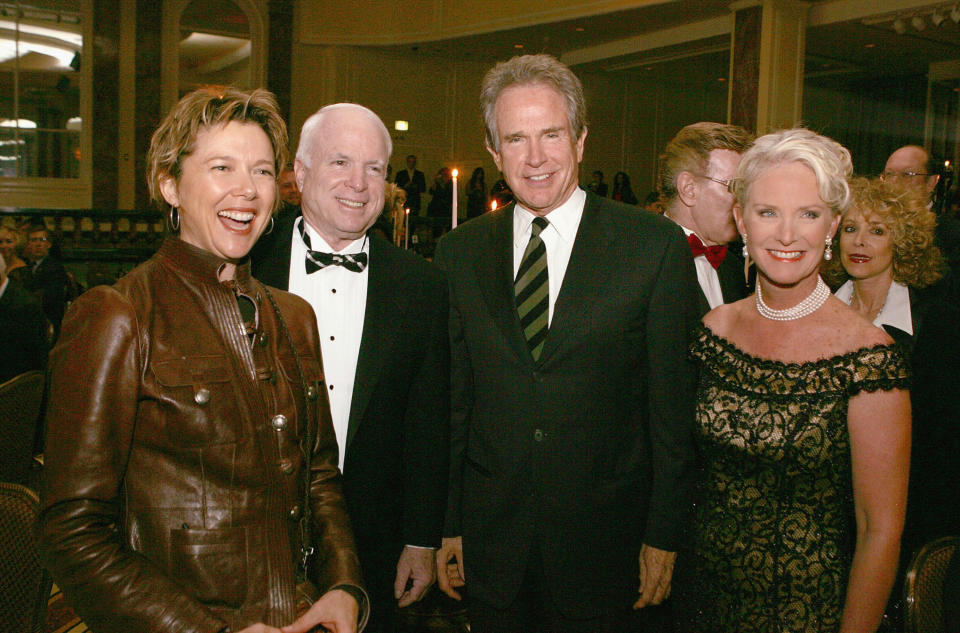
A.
pixel 199 401
pixel 211 564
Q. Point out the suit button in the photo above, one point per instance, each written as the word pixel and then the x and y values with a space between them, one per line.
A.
pixel 286 467
pixel 294 512
pixel 538 435
pixel 312 392
pixel 264 339
pixel 279 422
pixel 202 396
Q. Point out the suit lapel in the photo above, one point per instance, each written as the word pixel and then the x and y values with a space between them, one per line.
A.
pixel 583 280
pixel 495 279
pixel 385 307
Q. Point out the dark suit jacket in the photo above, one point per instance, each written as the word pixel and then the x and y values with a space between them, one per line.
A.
pixel 395 471
pixel 23 329
pixel 587 451
pixel 49 281
pixel 413 187
pixel 733 284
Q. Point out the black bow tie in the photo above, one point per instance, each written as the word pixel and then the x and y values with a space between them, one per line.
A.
pixel 315 260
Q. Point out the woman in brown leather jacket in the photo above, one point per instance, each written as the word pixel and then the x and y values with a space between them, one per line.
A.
pixel 191 466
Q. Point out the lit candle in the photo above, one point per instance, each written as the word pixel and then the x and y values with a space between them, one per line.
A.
pixel 493 205
pixel 406 228
pixel 454 218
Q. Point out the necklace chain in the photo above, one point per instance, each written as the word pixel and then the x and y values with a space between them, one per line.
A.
pixel 811 304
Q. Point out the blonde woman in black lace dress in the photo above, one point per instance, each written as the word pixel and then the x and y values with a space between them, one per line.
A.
pixel 803 421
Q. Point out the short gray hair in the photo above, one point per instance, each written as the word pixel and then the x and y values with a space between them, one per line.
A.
pixel 828 160
pixel 311 126
pixel 532 70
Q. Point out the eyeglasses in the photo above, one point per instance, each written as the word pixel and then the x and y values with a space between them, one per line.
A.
pixel 729 185
pixel 38 239
pixel 893 175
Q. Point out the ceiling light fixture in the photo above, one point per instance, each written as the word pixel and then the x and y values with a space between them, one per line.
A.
pixel 899 26
pixel 955 13
pixel 918 23
pixel 937 18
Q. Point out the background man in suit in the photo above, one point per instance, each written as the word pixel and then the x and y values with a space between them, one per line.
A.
pixel 696 169
pixel 22 329
pixel 913 167
pixel 48 278
pixel 572 396
pixel 383 330
pixel 413 182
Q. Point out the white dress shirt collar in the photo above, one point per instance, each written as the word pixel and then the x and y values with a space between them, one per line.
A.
pixel 896 307
pixel 565 219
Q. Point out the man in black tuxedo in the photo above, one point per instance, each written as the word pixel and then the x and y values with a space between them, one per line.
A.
pixel 696 171
pixel 572 397
pixel 22 329
pixel 382 315
pixel 413 182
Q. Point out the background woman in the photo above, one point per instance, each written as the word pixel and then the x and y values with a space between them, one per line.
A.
pixel 476 194
pixel 886 254
pixel 190 456
pixel 11 246
pixel 622 190
pixel 802 419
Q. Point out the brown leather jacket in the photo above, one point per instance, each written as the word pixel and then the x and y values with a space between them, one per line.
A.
pixel 173 481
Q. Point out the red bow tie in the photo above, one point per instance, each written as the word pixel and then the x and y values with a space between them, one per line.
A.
pixel 714 254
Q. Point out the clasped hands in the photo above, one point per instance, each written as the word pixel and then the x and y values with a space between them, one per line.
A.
pixel 656 572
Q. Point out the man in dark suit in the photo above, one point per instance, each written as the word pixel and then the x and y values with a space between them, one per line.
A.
pixel 382 315
pixel 572 396
pixel 48 278
pixel 413 182
pixel 696 171
pixel 22 329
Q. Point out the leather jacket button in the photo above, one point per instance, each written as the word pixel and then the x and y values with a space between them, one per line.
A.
pixel 294 512
pixel 312 392
pixel 286 467
pixel 202 396
pixel 279 422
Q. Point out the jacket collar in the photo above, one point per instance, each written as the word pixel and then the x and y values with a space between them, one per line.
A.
pixel 200 265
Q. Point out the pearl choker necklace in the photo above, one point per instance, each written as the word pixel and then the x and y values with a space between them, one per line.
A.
pixel 811 304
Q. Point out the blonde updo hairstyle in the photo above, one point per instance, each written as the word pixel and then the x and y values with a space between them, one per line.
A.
pixel 828 160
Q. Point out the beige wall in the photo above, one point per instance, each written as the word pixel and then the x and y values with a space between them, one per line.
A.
pixel 631 117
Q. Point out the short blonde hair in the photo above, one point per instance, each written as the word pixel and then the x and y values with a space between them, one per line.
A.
pixel 917 261
pixel 207 107
pixel 828 160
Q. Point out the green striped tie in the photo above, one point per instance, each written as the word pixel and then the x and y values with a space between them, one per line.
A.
pixel 532 290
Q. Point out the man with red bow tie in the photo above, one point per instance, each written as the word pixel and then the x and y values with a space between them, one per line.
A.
pixel 697 170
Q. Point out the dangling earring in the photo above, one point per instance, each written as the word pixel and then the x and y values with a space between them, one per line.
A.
pixel 745 254
pixel 174 219
pixel 270 228
pixel 828 253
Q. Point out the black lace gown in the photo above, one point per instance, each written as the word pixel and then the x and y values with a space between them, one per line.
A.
pixel 773 532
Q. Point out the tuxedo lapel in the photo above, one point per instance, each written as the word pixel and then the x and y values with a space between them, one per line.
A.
pixel 495 279
pixel 584 279
pixel 385 307
pixel 271 255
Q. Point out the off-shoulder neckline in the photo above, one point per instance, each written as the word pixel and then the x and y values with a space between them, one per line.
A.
pixel 769 363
